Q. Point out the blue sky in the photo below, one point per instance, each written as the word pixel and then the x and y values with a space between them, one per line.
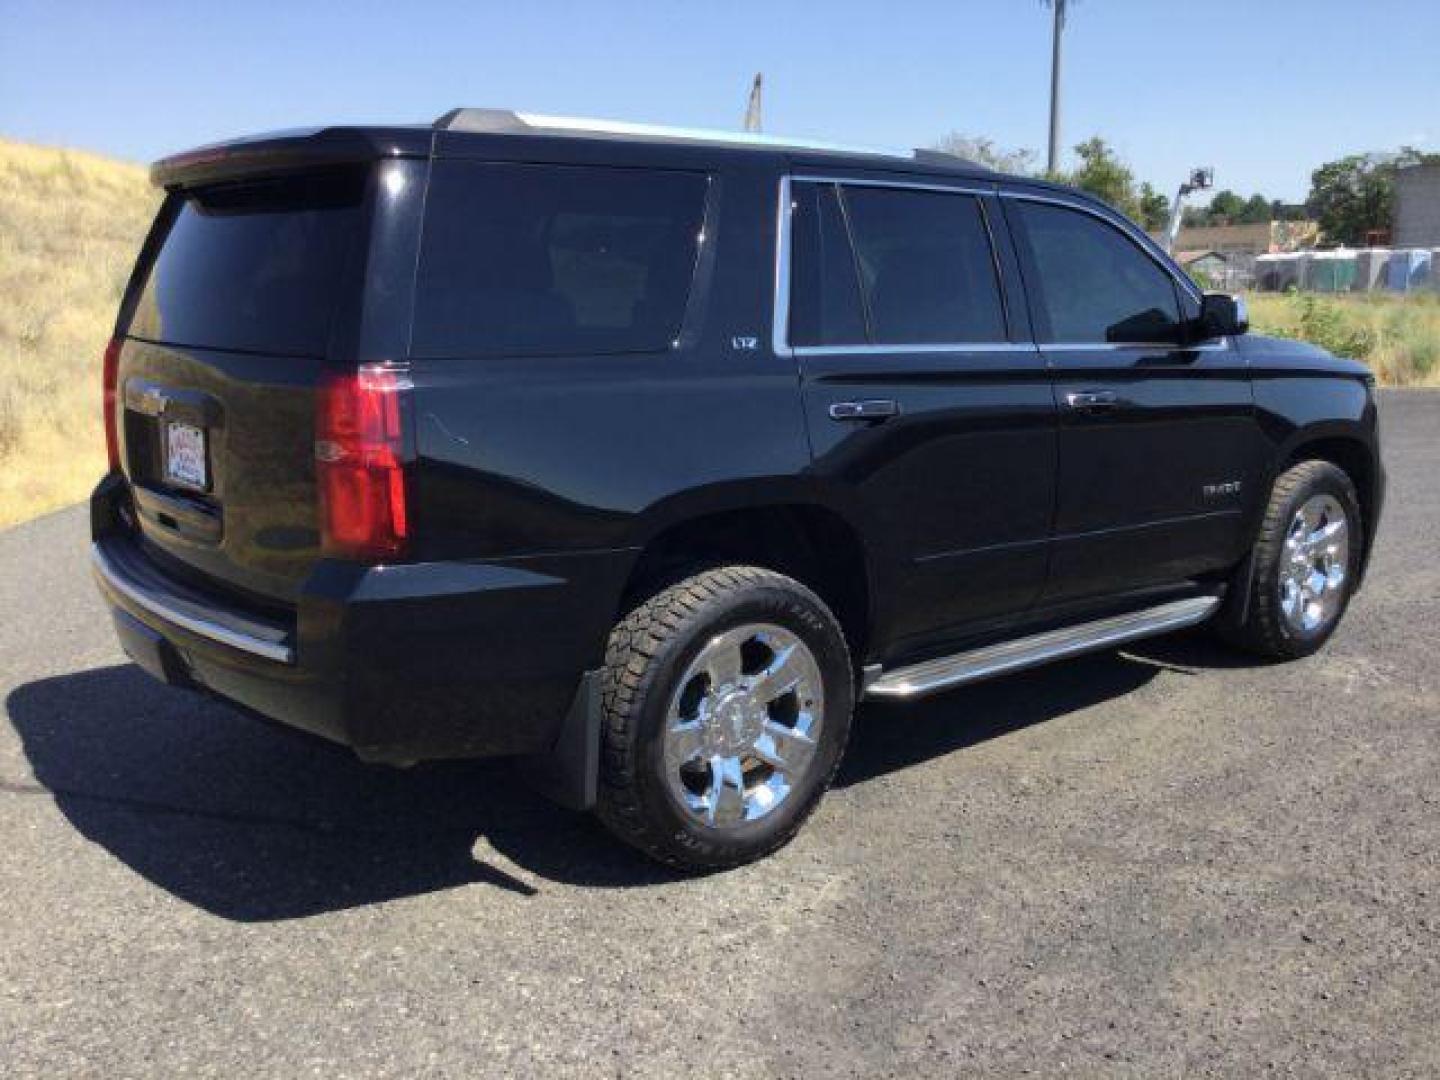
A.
pixel 1263 90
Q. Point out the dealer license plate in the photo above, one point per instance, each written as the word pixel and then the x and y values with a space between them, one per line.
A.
pixel 185 463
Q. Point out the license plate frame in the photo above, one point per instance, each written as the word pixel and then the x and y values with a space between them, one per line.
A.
pixel 185 451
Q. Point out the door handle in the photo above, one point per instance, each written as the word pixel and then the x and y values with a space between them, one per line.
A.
pixel 875 409
pixel 1092 400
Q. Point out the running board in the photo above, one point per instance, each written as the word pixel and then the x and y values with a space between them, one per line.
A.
pixel 947 671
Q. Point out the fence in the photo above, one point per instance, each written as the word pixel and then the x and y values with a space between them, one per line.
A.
pixel 1341 270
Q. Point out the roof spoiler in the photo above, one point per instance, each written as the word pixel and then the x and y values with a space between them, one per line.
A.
pixel 284 151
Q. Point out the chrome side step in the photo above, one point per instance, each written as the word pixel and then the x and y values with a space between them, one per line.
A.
pixel 947 671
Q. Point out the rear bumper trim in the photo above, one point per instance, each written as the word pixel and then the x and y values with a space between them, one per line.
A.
pixel 157 604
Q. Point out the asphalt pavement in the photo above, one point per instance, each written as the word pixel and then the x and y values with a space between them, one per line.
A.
pixel 1163 861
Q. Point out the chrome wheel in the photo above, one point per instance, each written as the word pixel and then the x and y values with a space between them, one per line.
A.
pixel 1315 564
pixel 743 725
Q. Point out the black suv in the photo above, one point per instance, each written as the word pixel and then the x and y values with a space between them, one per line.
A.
pixel 641 454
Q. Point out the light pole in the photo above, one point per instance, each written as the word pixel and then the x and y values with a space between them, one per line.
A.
pixel 1053 162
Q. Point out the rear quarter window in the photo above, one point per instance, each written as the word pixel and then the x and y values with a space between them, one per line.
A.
pixel 555 259
pixel 256 266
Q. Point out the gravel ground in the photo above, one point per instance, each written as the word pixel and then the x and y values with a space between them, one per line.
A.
pixel 1163 861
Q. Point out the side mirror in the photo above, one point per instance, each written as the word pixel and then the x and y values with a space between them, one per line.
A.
pixel 1222 315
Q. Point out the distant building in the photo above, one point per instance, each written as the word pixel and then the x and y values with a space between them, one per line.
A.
pixel 1417 207
pixel 1210 263
pixel 1261 238
pixel 1219 270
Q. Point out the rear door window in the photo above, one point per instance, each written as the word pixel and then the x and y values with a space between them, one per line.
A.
pixel 926 266
pixel 555 259
pixel 1093 284
pixel 825 306
pixel 256 266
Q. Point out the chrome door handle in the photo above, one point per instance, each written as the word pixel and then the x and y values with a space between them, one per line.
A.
pixel 1092 400
pixel 875 409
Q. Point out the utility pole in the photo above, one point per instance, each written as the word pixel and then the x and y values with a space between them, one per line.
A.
pixel 752 108
pixel 1053 164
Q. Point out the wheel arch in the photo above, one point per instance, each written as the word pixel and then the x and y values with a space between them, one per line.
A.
pixel 1353 453
pixel 814 543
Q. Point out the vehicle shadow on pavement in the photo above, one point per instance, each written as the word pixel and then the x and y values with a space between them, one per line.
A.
pixel 1195 649
pixel 253 822
pixel 892 736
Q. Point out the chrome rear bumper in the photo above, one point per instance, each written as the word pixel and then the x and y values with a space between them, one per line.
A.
pixel 148 593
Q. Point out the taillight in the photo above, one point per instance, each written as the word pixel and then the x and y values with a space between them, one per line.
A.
pixel 357 463
pixel 110 375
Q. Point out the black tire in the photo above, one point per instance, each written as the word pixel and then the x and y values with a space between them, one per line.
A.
pixel 649 652
pixel 1253 618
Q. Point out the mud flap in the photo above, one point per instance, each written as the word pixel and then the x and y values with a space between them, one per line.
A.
pixel 570 773
pixel 1236 608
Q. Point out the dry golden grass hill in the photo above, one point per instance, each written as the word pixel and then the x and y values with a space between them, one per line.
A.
pixel 70 225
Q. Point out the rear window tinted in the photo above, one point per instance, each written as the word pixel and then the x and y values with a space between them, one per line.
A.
pixel 926 266
pixel 553 260
pixel 256 266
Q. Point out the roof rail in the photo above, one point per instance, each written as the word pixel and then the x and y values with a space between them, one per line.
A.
pixel 506 121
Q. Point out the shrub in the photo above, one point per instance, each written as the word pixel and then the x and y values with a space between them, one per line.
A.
pixel 1397 335
pixel 1325 323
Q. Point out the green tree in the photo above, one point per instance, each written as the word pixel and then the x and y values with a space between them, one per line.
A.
pixel 1154 208
pixel 1104 175
pixel 1356 194
pixel 1226 208
pixel 1352 196
pixel 1280 210
pixel 1256 210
